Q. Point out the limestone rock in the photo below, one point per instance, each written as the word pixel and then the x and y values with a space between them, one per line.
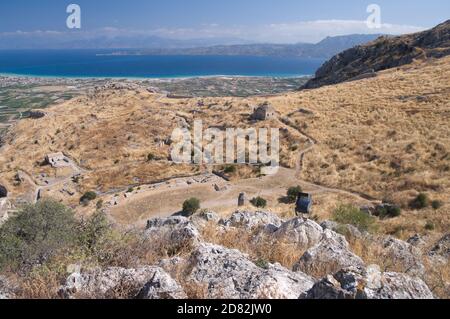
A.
pixel 401 254
pixel 349 230
pixel 303 233
pixel 370 283
pixel 201 219
pixel 121 283
pixel 330 255
pixel 417 241
pixel 161 286
pixel 229 274
pixel 441 249
pixel 250 220
pixel 175 231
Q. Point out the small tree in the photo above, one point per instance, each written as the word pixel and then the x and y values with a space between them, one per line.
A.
pixel 259 202
pixel 191 206
pixel 35 234
pixel 420 202
pixel 436 204
pixel 94 230
pixel 88 196
pixel 292 194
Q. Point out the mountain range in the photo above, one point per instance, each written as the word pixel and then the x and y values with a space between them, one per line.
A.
pixel 322 50
pixel 154 45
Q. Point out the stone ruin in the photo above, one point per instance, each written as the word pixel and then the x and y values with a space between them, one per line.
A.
pixel 241 200
pixel 263 112
pixel 57 160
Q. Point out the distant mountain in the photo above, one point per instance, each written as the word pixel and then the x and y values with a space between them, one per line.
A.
pixel 55 40
pixel 384 53
pixel 324 49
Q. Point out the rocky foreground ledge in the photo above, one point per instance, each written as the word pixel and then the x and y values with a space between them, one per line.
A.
pixel 219 272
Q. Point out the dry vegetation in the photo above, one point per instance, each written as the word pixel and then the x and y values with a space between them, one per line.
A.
pixel 387 137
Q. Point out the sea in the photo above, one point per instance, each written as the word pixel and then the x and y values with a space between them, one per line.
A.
pixel 101 64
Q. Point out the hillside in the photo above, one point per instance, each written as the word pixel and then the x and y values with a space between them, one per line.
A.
pixel 351 146
pixel 381 54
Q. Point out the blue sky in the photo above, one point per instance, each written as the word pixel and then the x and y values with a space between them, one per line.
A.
pixel 259 20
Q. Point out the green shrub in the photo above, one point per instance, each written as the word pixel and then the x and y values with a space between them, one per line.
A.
pixel 420 202
pixel 262 263
pixel 348 214
pixel 151 157
pixel 92 231
pixel 292 194
pixel 436 204
pixel 35 234
pixel 259 202
pixel 430 226
pixel 230 169
pixel 389 212
pixel 191 206
pixel 88 196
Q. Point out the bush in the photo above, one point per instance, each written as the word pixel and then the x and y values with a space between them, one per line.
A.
pixel 292 194
pixel 92 231
pixel 420 202
pixel 430 226
pixel 88 196
pixel 436 204
pixel 259 202
pixel 229 169
pixel 191 206
pixel 35 234
pixel 348 214
pixel 389 211
pixel 151 157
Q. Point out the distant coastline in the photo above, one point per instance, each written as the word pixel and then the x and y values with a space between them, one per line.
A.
pixel 162 79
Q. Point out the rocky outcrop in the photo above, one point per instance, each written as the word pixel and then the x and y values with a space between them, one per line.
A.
pixel 229 274
pixel 441 249
pixel 175 232
pixel 146 283
pixel 347 230
pixel 303 233
pixel 250 220
pixel 364 61
pixel 400 254
pixel 330 255
pixel 203 218
pixel 161 286
pixel 370 283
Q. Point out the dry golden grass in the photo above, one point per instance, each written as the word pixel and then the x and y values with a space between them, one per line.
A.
pixel 437 275
pixel 265 249
pixel 387 137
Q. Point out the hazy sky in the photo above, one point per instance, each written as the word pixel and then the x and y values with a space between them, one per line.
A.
pixel 257 20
